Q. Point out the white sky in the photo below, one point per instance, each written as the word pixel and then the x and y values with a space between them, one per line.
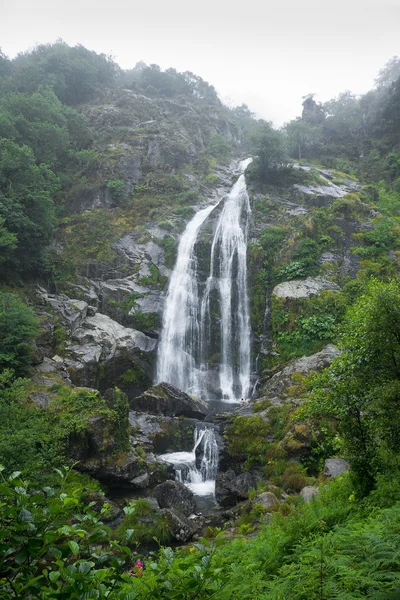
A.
pixel 267 54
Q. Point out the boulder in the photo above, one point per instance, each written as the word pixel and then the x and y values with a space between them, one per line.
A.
pixel 181 528
pixel 173 494
pixel 335 466
pixel 308 492
pixel 266 499
pixel 125 472
pixel 278 384
pixel 165 399
pixel 304 288
pixel 231 488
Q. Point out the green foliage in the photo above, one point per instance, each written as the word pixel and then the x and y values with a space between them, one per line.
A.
pixel 360 389
pixel 270 164
pixel 26 207
pixel 247 438
pixel 34 440
pixel 296 269
pixel 170 246
pixel 18 327
pixel 143 320
pixel 144 522
pixel 27 438
pixel 117 188
pixel 74 73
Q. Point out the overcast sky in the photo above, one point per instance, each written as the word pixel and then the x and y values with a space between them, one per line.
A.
pixel 267 54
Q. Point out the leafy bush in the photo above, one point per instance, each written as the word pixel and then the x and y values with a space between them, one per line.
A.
pixel 117 188
pixel 18 326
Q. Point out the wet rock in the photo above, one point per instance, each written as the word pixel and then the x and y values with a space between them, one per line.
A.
pixel 231 488
pixel 304 288
pixel 308 492
pixel 168 400
pixel 266 499
pixel 119 349
pixel 335 466
pixel 121 473
pixel 181 528
pixel 141 482
pixel 174 495
pixel 71 312
pixel 112 337
pixel 278 384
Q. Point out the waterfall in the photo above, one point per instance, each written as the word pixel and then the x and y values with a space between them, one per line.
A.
pixel 198 475
pixel 215 313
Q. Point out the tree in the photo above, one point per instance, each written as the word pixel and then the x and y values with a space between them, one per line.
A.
pixel 303 140
pixel 313 112
pixel 268 146
pixel 389 73
pixel 18 326
pixel 361 389
pixel 74 73
pixel 26 206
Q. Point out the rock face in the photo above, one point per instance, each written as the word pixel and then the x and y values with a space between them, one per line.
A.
pixel 335 466
pixel 165 399
pixel 304 288
pixel 231 488
pixel 174 495
pixel 101 352
pixel 278 384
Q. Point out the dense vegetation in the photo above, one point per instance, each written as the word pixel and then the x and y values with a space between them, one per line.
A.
pixel 54 148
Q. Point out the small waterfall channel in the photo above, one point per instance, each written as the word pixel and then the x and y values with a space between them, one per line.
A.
pixel 197 469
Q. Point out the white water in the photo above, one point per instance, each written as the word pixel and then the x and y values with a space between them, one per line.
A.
pixel 187 325
pixel 201 480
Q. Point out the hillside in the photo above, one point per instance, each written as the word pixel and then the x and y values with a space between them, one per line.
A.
pixel 119 187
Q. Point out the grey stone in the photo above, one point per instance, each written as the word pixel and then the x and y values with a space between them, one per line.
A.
pixel 71 312
pixel 122 474
pixel 41 399
pixel 335 466
pixel 231 488
pixel 153 502
pixel 173 494
pixel 112 337
pixel 266 499
pixel 181 528
pixel 166 399
pixel 308 492
pixel 141 482
pixel 304 288
pixel 277 385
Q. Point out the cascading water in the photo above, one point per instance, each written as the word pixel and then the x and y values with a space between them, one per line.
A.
pixel 193 308
pixel 197 474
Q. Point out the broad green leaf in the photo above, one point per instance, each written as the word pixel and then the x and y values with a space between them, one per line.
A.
pixel 74 547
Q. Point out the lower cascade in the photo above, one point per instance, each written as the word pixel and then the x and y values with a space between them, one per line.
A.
pixel 204 346
pixel 197 469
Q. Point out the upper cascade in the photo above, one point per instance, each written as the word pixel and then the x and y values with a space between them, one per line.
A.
pixel 204 347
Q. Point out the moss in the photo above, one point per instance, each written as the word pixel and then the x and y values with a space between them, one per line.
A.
pixel 143 321
pixel 135 374
pixel 145 522
pixel 247 438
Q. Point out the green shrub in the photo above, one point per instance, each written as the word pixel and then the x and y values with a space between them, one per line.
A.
pixel 117 188
pixel 18 326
